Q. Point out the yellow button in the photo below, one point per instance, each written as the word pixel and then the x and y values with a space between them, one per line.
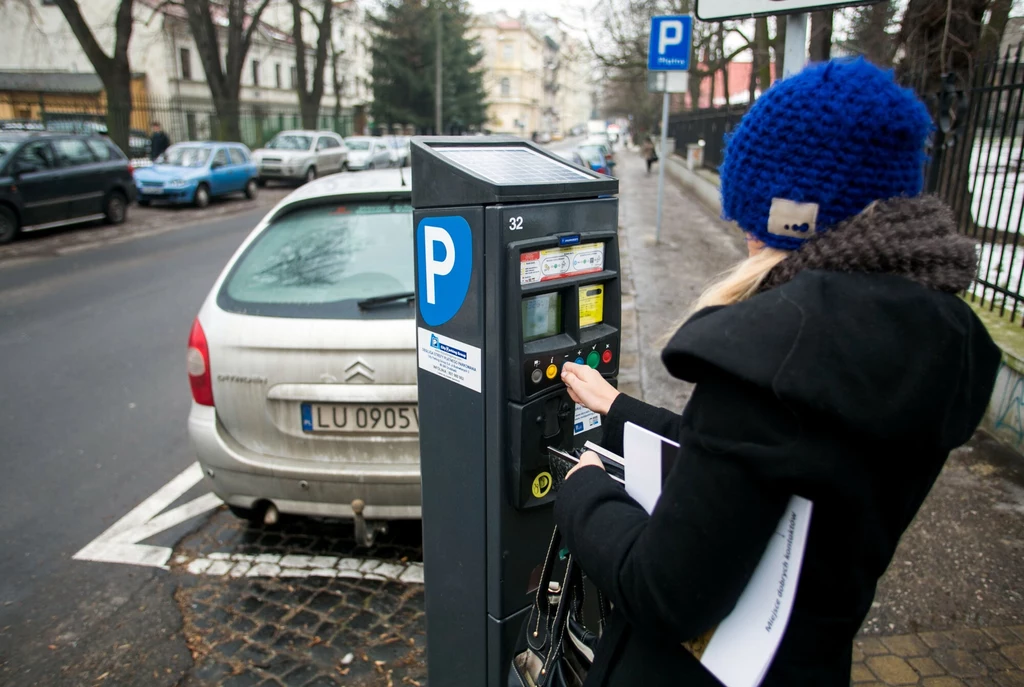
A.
pixel 552 371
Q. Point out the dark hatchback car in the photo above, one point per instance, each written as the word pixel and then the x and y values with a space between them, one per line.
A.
pixel 50 180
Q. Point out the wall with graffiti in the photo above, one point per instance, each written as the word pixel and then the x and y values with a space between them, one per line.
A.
pixel 1005 416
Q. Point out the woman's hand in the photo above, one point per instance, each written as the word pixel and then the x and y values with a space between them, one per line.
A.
pixel 588 388
pixel 588 458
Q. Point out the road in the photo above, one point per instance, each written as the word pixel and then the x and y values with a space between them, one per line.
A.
pixel 93 419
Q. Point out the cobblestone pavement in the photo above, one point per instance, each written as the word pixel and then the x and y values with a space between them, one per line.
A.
pixel 322 617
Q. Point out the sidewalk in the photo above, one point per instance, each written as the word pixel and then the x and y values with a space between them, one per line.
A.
pixel 950 610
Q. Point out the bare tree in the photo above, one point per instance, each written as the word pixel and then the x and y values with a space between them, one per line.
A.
pixel 338 81
pixel 310 94
pixel 113 70
pixel 224 76
pixel 871 32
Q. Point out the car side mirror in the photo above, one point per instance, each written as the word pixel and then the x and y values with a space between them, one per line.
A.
pixel 215 164
pixel 21 167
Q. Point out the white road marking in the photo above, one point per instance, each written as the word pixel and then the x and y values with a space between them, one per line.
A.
pixel 220 564
pixel 120 544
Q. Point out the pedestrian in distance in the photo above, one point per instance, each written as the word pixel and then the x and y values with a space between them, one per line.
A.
pixel 836 363
pixel 158 142
pixel 650 156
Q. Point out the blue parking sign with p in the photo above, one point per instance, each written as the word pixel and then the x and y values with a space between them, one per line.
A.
pixel 444 252
pixel 670 43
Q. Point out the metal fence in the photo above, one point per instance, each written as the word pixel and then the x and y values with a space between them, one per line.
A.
pixel 709 126
pixel 182 121
pixel 976 168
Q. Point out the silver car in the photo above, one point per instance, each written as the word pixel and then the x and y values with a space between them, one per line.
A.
pixel 302 360
pixel 301 156
pixel 368 152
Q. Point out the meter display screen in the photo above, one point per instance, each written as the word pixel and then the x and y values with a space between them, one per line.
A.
pixel 542 316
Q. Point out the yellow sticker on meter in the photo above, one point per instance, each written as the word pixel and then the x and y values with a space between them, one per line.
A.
pixel 591 305
pixel 541 485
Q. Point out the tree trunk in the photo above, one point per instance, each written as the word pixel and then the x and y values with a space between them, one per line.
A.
pixel 763 56
pixel 779 46
pixel 752 85
pixel 114 71
pixel 725 64
pixel 992 34
pixel 821 36
pixel 310 94
pixel 118 86
pixel 224 77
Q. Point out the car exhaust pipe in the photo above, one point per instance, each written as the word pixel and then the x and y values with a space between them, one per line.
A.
pixel 271 516
pixel 366 530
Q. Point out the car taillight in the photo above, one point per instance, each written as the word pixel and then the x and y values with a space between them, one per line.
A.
pixel 131 169
pixel 607 158
pixel 602 170
pixel 198 364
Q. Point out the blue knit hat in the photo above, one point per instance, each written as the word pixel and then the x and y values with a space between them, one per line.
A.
pixel 819 147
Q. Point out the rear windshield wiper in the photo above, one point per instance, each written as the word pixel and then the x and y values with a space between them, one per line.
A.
pixel 376 301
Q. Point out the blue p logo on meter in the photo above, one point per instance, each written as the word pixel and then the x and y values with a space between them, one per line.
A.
pixel 444 248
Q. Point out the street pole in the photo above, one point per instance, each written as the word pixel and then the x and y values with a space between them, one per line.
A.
pixel 796 43
pixel 437 77
pixel 662 162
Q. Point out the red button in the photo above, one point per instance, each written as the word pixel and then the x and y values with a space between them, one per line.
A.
pixel 606 357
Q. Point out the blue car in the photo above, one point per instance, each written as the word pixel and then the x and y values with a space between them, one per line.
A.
pixel 196 172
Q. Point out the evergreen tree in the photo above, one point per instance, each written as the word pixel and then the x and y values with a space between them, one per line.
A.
pixel 404 49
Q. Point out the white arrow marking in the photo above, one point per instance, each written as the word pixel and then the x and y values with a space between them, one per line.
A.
pixel 120 543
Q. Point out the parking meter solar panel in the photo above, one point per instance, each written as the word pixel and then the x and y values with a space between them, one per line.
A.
pixel 458 171
pixel 513 165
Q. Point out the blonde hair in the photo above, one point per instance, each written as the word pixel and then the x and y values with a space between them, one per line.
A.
pixel 742 281
pixel 736 284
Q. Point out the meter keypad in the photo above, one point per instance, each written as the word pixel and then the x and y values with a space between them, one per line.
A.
pixel 544 372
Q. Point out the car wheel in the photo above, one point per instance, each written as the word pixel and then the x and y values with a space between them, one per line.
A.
pixel 261 182
pixel 8 225
pixel 116 209
pixel 311 174
pixel 344 166
pixel 202 196
pixel 251 189
pixel 372 166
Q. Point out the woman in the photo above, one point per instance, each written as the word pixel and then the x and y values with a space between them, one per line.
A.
pixel 648 151
pixel 836 363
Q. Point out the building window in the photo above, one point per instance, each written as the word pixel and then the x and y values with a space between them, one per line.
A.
pixel 506 87
pixel 295 77
pixel 277 76
pixel 190 126
pixel 186 63
pixel 255 72
pixel 507 51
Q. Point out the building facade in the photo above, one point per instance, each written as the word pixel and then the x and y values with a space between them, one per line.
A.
pixel 170 83
pixel 537 77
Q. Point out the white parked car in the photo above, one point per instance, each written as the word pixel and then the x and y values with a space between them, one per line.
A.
pixel 301 156
pixel 368 152
pixel 302 360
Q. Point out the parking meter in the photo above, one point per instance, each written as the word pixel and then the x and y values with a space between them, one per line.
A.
pixel 517 265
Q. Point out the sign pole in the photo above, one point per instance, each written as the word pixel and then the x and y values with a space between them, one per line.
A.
pixel 662 162
pixel 796 43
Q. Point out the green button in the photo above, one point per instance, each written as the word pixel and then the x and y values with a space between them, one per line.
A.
pixel 594 359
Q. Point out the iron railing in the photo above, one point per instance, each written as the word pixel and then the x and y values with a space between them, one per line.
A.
pixel 710 126
pixel 182 121
pixel 975 166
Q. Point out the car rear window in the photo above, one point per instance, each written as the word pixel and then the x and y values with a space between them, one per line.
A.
pixel 320 262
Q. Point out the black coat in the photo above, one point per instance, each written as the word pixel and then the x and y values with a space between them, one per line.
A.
pixel 158 143
pixel 848 389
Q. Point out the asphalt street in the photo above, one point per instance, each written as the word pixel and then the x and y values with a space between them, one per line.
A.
pixel 92 416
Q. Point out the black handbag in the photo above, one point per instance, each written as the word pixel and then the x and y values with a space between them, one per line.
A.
pixel 555 648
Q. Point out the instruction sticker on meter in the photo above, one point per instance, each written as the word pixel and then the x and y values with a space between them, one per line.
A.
pixel 591 305
pixel 559 263
pixel 451 359
pixel 585 420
